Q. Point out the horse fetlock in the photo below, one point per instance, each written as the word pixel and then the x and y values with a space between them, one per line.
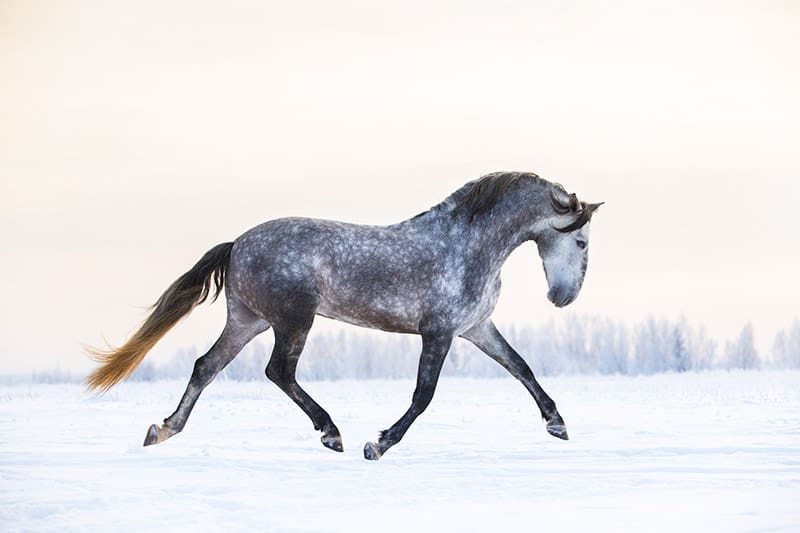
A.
pixel 375 450
pixel 156 434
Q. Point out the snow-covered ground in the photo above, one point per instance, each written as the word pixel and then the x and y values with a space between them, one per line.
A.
pixel 689 452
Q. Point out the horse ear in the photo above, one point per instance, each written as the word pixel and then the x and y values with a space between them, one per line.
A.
pixel 591 208
pixel 560 199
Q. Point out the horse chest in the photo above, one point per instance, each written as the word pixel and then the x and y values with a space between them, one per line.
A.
pixel 477 308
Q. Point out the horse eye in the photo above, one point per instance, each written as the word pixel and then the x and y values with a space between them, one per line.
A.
pixel 581 244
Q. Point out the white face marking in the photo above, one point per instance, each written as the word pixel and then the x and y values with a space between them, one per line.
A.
pixel 564 257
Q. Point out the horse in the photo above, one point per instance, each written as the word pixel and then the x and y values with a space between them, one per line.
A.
pixel 436 275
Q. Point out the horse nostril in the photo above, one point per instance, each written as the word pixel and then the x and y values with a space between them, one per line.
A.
pixel 560 296
pixel 554 295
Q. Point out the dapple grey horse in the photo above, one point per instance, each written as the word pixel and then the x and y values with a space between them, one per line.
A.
pixel 436 275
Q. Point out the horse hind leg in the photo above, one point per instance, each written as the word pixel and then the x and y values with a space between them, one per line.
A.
pixel 242 326
pixel 281 370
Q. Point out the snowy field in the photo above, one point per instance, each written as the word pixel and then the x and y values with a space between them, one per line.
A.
pixel 690 452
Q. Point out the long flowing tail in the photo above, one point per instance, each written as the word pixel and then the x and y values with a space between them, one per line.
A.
pixel 178 300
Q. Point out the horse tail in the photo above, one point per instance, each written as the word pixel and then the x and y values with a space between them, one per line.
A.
pixel 185 293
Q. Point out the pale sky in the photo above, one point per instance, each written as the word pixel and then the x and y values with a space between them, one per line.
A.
pixel 136 135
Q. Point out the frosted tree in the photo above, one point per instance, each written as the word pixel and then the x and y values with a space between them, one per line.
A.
pixel 465 359
pixel 681 359
pixel 786 348
pixel 325 356
pixel 145 372
pixel 742 352
pixel 702 349
pixel 535 345
pixel 573 344
pixel 653 347
pixel 249 365
pixel 610 346
pixel 545 352
pixel 180 366
pixel 401 355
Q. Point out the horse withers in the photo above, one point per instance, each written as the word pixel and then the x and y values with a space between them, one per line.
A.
pixel 436 275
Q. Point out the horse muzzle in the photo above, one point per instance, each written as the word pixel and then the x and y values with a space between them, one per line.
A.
pixel 561 297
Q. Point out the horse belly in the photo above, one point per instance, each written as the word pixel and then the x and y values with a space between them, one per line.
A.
pixel 387 314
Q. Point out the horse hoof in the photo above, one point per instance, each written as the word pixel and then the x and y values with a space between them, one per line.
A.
pixel 152 435
pixel 157 434
pixel 334 442
pixel 557 428
pixel 371 452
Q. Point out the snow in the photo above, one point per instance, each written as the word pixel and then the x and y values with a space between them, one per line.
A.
pixel 713 451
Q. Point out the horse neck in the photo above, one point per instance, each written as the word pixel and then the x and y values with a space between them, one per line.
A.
pixel 490 238
pixel 496 236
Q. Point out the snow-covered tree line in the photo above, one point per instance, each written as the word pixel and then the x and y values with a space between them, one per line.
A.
pixel 576 345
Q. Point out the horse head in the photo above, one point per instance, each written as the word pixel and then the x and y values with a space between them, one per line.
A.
pixel 563 241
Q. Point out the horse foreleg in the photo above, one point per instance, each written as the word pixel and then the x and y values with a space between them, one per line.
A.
pixel 281 370
pixel 486 337
pixel 233 338
pixel 434 350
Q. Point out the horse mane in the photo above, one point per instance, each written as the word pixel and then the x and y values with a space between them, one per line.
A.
pixel 479 196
